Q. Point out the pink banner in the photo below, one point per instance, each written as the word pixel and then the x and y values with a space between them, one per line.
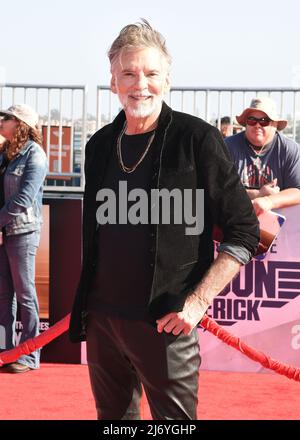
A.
pixel 261 305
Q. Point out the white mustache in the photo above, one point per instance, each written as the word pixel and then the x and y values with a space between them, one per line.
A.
pixel 140 95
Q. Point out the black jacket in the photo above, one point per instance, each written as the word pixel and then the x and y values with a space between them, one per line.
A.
pixel 189 153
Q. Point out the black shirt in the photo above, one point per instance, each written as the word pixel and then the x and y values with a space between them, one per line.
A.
pixel 123 277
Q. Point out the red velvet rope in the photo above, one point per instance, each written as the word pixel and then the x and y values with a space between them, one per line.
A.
pixel 33 344
pixel 257 356
pixel 207 323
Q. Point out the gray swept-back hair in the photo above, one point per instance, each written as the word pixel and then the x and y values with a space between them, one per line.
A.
pixel 138 36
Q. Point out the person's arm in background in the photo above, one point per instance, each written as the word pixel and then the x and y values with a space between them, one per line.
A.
pixel 283 199
pixel 289 194
pixel 266 190
pixel 32 179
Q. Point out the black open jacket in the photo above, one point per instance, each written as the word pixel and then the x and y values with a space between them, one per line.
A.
pixel 189 153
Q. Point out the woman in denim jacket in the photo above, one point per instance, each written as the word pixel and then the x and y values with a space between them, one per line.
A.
pixel 23 168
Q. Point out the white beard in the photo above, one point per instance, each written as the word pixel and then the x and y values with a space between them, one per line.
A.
pixel 142 109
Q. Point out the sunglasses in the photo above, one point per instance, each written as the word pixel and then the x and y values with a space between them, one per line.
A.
pixel 263 122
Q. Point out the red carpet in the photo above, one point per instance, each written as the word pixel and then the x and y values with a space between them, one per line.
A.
pixel 62 392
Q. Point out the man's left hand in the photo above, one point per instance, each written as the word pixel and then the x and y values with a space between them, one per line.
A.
pixel 184 321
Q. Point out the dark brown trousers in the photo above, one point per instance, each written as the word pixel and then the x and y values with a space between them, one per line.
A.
pixel 124 354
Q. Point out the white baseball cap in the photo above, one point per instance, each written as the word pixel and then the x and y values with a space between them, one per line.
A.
pixel 24 113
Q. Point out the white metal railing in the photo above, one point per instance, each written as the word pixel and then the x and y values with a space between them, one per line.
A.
pixel 59 106
pixel 212 103
pixel 62 106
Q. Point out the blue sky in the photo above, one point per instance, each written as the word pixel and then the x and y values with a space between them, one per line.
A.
pixel 213 43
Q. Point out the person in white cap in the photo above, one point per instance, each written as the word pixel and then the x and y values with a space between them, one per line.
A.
pixel 23 168
pixel 267 161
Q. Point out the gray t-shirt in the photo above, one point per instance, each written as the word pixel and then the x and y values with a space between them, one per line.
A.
pixel 280 160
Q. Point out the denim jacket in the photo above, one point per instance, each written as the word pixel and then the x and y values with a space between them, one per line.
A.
pixel 23 190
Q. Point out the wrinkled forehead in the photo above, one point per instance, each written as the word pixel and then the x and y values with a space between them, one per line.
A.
pixel 139 57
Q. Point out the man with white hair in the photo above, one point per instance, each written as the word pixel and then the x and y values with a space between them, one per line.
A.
pixel 267 161
pixel 144 285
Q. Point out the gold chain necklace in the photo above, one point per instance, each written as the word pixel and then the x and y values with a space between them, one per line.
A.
pixel 125 168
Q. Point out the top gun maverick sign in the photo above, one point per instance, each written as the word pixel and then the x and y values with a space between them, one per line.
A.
pixel 261 306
